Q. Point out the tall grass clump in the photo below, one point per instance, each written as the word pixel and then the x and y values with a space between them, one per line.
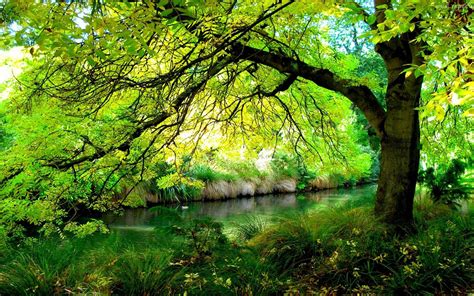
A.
pixel 142 272
pixel 287 245
pixel 41 267
pixel 177 193
pixel 250 227
pixel 54 266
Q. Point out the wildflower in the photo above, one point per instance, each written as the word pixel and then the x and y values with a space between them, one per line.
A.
pixel 408 270
pixel 191 277
pixel 416 265
pixel 443 266
pixel 351 243
pixel 333 258
pixel 404 250
pixel 380 257
pixel 385 278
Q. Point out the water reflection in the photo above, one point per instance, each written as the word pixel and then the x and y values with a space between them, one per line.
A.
pixel 144 219
pixel 223 209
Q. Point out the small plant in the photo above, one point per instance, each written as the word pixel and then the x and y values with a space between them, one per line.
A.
pixel 202 236
pixel 304 176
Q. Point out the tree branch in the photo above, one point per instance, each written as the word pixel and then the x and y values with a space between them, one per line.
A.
pixel 361 95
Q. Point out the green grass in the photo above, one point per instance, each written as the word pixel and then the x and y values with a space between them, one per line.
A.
pixel 207 174
pixel 56 266
pixel 142 273
pixel 129 263
pixel 341 249
pixel 249 227
pixel 40 268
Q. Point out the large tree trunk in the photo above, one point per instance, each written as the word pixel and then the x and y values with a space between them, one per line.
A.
pixel 400 131
pixel 400 158
pixel 400 137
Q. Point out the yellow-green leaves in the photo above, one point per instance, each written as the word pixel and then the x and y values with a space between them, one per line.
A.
pixel 88 228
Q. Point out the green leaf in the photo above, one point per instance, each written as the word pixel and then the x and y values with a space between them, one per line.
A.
pixel 166 12
pixel 101 54
pixel 91 61
pixel 371 19
pixel 376 39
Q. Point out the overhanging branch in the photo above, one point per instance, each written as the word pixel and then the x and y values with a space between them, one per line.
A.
pixel 361 95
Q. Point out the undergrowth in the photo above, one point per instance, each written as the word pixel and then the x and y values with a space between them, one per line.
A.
pixel 340 250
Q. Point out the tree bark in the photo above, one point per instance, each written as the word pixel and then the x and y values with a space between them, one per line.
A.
pixel 400 157
pixel 400 138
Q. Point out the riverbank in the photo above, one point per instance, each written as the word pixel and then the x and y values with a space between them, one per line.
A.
pixel 229 189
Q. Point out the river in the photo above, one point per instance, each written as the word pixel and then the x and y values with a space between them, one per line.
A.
pixel 232 211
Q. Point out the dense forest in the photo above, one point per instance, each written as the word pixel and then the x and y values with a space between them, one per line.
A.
pixel 273 147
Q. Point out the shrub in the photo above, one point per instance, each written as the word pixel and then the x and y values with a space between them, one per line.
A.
pixel 284 166
pixel 305 176
pixel 445 183
pixel 202 236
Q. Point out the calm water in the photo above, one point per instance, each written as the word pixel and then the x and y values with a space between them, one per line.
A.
pixel 232 211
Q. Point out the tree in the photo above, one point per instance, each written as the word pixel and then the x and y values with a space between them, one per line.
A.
pixel 154 69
